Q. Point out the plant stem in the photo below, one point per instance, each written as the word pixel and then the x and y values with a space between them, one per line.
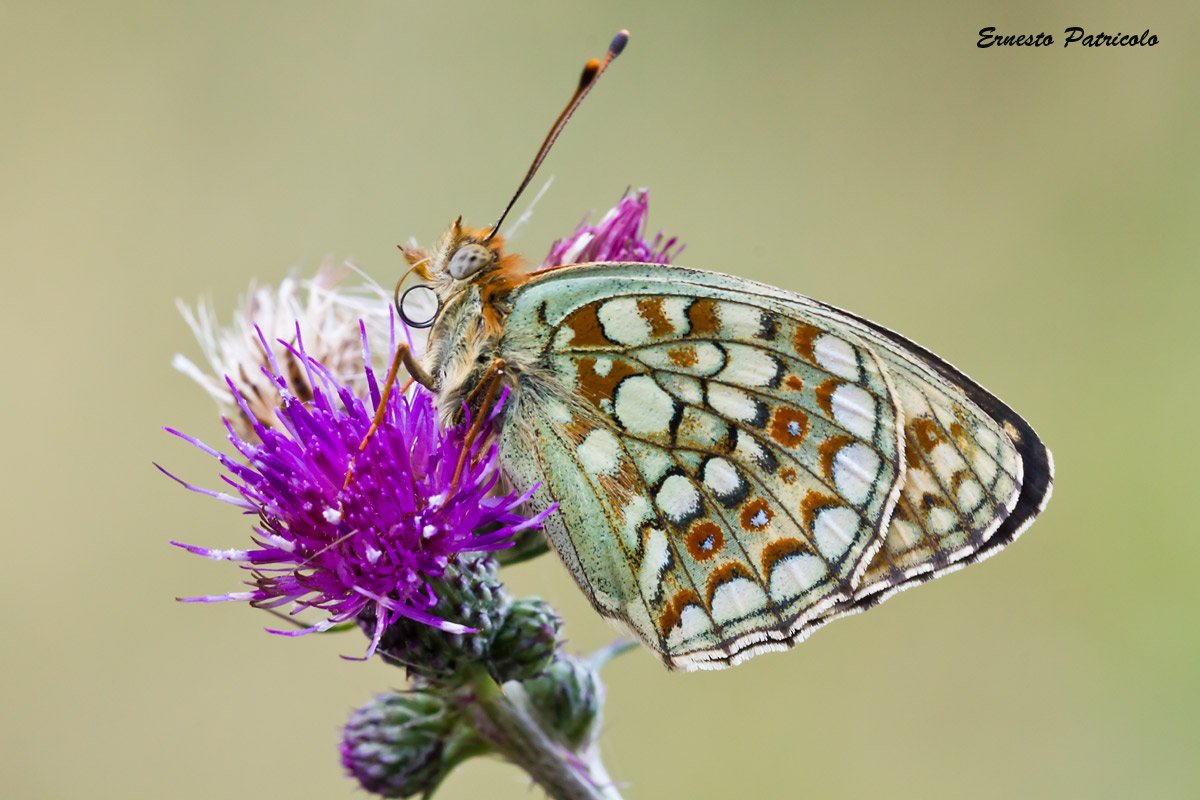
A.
pixel 504 717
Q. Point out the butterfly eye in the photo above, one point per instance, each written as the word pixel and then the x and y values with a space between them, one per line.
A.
pixel 469 259
pixel 421 309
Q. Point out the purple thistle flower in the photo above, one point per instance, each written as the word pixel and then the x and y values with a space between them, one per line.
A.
pixel 377 543
pixel 617 237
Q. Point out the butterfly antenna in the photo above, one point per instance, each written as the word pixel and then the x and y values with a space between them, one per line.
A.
pixel 592 71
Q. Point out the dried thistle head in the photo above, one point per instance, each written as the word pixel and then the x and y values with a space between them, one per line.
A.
pixel 328 314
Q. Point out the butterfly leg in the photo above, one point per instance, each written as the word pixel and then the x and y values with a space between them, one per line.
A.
pixel 492 379
pixel 416 372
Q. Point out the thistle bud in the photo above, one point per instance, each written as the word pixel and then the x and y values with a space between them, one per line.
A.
pixel 527 641
pixel 394 744
pixel 568 697
pixel 468 593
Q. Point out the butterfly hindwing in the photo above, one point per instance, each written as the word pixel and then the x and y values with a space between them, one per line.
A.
pixel 711 440
pixel 740 462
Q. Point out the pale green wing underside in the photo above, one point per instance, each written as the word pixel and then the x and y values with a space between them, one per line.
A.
pixel 728 458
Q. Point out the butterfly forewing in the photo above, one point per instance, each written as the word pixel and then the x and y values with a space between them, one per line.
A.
pixel 743 460
pixel 962 479
pixel 976 473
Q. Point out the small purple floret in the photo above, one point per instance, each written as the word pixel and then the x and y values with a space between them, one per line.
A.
pixel 377 542
pixel 619 236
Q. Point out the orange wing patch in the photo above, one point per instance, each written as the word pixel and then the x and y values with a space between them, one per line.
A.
pixel 651 310
pixel 756 514
pixel 828 450
pixel 585 324
pixel 684 356
pixel 704 318
pixel 825 395
pixel 815 502
pixel 705 540
pixel 925 433
pixel 804 339
pixel 780 549
pixel 789 426
pixel 601 384
pixel 729 571
pixel 671 615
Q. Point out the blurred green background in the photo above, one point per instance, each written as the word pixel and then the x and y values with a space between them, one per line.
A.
pixel 1029 214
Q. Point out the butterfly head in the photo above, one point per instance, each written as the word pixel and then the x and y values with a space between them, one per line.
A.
pixel 463 259
pixel 463 256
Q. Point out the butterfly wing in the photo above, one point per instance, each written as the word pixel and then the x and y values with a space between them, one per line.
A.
pixel 724 472
pixel 945 467
pixel 729 458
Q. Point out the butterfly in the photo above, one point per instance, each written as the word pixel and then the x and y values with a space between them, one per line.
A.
pixel 734 465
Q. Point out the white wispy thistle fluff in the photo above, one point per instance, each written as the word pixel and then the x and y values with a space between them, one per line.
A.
pixel 328 313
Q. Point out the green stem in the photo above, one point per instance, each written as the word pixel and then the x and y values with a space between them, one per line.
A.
pixel 504 717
